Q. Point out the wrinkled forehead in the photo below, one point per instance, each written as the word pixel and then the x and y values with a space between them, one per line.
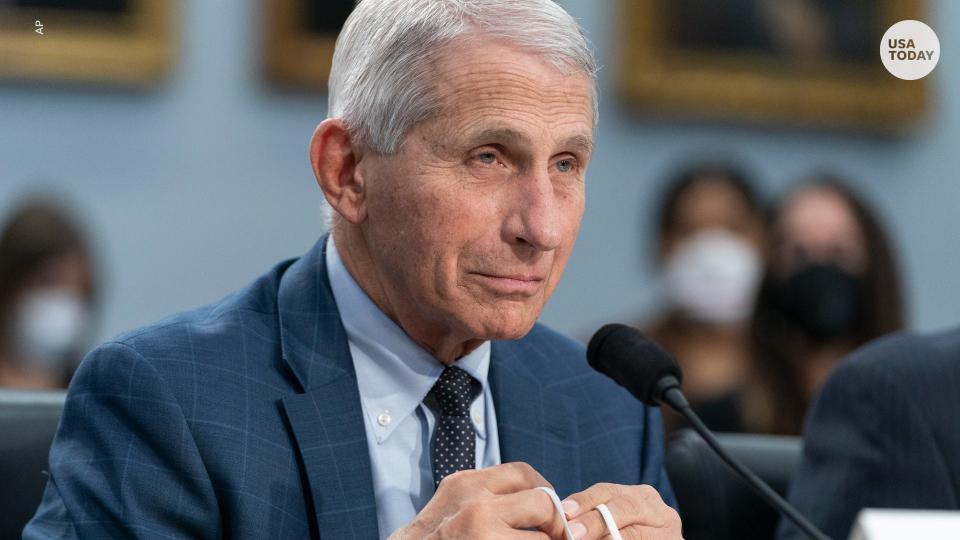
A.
pixel 493 85
pixel 479 48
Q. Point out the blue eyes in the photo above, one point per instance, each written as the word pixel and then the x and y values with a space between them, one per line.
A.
pixel 491 158
pixel 487 158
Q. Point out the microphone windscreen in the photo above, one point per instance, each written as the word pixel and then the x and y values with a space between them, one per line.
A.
pixel 632 360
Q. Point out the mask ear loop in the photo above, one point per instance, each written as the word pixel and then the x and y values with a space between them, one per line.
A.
pixel 612 527
pixel 559 508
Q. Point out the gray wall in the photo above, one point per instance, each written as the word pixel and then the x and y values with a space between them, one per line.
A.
pixel 196 187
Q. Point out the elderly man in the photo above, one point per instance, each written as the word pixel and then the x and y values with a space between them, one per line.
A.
pixel 393 381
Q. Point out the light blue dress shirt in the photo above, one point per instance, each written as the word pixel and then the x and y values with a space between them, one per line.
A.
pixel 394 375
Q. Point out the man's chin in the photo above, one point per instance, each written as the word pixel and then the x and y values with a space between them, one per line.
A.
pixel 508 327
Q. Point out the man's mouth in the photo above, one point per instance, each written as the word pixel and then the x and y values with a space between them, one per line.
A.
pixel 511 283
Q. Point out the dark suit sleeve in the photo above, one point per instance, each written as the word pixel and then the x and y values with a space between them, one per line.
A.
pixel 123 463
pixel 867 444
pixel 653 472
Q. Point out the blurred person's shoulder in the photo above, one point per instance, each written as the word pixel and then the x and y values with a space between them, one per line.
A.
pixel 898 374
pixel 904 357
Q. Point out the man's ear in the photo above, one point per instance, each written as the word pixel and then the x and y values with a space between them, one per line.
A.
pixel 334 157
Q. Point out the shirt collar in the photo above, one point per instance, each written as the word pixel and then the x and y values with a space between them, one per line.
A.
pixel 394 374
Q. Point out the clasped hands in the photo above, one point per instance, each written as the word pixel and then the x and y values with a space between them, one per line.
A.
pixel 504 502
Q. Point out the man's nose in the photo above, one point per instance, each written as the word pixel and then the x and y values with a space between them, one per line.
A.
pixel 535 217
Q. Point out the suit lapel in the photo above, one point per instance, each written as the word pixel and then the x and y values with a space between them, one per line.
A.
pixel 536 424
pixel 326 419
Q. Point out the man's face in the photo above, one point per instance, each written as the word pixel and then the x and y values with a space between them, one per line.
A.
pixel 470 223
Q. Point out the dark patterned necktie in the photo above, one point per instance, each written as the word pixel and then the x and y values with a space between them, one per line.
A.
pixel 454 441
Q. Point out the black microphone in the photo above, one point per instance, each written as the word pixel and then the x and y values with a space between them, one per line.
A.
pixel 641 366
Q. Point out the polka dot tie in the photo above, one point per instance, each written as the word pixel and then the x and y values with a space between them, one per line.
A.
pixel 454 442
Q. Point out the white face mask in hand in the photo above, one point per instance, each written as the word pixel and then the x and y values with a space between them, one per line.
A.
pixel 50 326
pixel 713 277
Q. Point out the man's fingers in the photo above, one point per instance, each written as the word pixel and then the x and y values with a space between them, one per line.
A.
pixel 530 509
pixel 503 479
pixel 514 515
pixel 636 532
pixel 589 498
pixel 527 535
pixel 636 508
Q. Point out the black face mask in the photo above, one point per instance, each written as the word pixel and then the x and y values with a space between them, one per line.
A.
pixel 824 302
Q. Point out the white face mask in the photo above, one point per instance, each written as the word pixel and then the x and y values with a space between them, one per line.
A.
pixel 50 325
pixel 713 276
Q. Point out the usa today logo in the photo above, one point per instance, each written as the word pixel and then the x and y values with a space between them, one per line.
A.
pixel 910 50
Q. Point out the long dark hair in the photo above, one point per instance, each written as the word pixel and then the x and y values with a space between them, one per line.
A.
pixel 682 181
pixel 38 231
pixel 776 401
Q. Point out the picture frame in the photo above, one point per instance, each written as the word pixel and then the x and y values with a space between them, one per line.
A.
pixel 300 39
pixel 124 42
pixel 663 75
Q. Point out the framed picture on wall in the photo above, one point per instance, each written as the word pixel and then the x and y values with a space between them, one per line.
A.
pixel 300 38
pixel 98 41
pixel 789 62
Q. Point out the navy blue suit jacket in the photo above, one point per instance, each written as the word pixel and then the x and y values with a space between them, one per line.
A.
pixel 243 419
pixel 884 433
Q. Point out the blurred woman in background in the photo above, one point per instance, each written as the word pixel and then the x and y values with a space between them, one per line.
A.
pixel 709 242
pixel 831 285
pixel 47 297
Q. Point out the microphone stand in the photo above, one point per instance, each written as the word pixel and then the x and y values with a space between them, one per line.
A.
pixel 670 392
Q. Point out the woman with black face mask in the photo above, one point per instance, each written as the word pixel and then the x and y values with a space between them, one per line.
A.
pixel 831 285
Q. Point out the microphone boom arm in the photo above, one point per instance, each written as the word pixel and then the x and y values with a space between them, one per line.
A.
pixel 672 396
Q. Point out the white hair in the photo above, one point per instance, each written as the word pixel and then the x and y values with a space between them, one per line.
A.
pixel 384 63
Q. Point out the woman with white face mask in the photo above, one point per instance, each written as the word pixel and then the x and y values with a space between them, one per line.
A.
pixel 710 233
pixel 47 291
